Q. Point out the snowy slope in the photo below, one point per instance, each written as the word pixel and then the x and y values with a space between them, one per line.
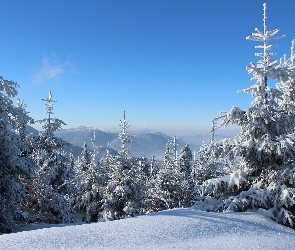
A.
pixel 171 229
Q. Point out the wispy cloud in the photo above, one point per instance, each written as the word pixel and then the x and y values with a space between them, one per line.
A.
pixel 52 69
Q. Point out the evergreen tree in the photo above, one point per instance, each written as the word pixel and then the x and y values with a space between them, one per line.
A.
pixel 166 189
pixel 185 160
pixel 264 149
pixel 149 196
pixel 185 174
pixel 85 158
pixel 90 184
pixel 214 160
pixel 55 148
pixel 122 197
pixel 14 165
pixel 52 186
pixel 154 168
pixel 144 169
pixel 146 173
pixel 21 121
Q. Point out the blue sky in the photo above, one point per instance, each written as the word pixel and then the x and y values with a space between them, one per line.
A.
pixel 171 65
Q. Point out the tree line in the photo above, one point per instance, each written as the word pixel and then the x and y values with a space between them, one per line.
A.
pixel 41 180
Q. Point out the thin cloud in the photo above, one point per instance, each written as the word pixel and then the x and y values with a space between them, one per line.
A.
pixel 52 70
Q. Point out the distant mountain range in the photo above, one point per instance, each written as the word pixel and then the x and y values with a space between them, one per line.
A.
pixel 147 143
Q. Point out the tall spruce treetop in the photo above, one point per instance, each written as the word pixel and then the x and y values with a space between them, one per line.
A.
pixel 48 141
pixel 50 124
pixel 262 120
pixel 266 67
pixel 125 138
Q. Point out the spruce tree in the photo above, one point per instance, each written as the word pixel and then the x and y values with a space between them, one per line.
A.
pixel 166 188
pixel 154 168
pixel 122 197
pixel 144 168
pixel 21 121
pixel 14 165
pixel 52 185
pixel 185 174
pixel 90 183
pixel 85 158
pixel 150 196
pixel 263 151
pixel 213 160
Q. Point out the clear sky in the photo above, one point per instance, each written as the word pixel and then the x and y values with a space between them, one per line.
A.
pixel 171 65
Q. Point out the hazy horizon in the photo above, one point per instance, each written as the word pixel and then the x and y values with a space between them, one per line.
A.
pixel 231 131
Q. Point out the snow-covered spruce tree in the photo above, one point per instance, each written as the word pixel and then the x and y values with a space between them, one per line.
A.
pixel 154 168
pixel 212 160
pixel 144 168
pixel 123 194
pixel 53 183
pixel 100 165
pixel 145 179
pixel 185 174
pixel 14 165
pixel 287 88
pixel 185 160
pixel 85 158
pixel 264 149
pixel 90 182
pixel 166 189
pixel 150 197
pixel 81 172
pixel 20 127
pixel 21 121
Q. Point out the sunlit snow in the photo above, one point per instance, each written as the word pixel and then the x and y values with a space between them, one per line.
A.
pixel 170 229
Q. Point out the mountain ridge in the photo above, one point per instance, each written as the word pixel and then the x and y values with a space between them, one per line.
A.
pixel 143 142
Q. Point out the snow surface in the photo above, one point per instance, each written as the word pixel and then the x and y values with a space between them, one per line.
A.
pixel 170 229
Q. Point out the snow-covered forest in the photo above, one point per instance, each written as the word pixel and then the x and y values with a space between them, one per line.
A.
pixel 42 182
